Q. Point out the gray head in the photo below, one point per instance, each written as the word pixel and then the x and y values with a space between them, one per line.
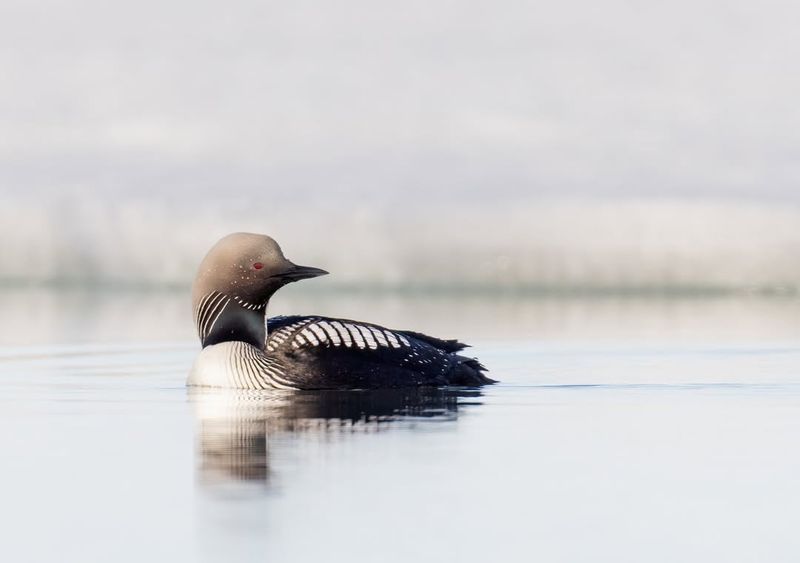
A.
pixel 233 284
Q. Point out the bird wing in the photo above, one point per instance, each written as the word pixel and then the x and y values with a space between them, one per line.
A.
pixel 340 347
pixel 322 332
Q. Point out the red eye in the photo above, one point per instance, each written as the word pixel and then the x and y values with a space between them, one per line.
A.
pixel 258 265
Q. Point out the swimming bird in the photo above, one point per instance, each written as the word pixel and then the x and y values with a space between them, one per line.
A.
pixel 242 349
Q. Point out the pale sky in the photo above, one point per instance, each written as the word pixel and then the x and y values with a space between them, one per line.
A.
pixel 399 101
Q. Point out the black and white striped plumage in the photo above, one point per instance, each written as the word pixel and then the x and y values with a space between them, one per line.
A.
pixel 325 352
pixel 240 350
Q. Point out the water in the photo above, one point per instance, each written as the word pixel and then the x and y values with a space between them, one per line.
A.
pixel 623 430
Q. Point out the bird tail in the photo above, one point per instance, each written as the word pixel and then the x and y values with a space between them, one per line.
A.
pixel 469 372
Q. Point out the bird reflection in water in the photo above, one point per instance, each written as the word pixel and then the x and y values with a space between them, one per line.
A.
pixel 236 426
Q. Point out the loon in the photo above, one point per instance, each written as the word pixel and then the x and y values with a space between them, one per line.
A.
pixel 242 349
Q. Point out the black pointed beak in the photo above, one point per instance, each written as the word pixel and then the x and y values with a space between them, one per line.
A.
pixel 297 273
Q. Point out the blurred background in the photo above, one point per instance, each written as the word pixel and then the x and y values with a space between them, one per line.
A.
pixel 570 148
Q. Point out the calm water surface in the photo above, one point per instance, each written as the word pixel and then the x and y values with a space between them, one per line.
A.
pixel 622 431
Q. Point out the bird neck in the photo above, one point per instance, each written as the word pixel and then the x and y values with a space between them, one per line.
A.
pixel 226 318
